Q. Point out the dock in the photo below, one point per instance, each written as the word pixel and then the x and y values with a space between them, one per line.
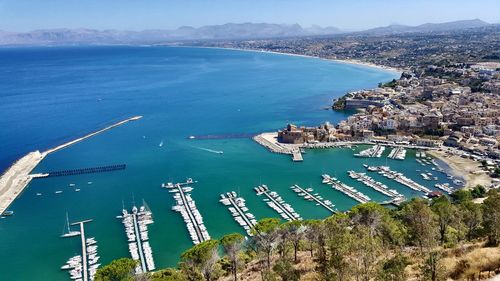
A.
pixel 374 151
pixel 136 229
pixel 17 177
pixel 187 207
pixel 297 155
pixel 306 194
pixel 274 200
pixel 398 153
pixel 344 188
pixel 377 186
pixel 84 266
pixel 398 177
pixel 239 211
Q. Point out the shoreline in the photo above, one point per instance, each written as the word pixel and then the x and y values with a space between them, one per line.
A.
pixel 350 61
pixel 17 177
pixel 464 168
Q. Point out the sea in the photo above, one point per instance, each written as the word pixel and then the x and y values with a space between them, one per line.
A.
pixel 51 95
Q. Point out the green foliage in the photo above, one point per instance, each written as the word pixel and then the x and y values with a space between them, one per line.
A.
pixel 394 269
pixel 420 221
pixel 478 191
pixel 201 260
pixel 168 274
pixel 461 195
pixel 284 268
pixel 491 218
pixel 117 270
pixel 432 269
pixel 391 84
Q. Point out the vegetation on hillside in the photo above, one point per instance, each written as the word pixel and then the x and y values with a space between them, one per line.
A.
pixel 421 240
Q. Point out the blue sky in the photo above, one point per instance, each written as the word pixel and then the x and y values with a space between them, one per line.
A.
pixel 24 15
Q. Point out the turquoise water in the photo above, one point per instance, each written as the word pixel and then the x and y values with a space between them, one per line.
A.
pixel 52 95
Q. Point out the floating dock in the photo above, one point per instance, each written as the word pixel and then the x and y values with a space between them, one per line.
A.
pixel 398 177
pixel 377 186
pixel 308 195
pixel 83 267
pixel 136 228
pixel 274 200
pixel 239 211
pixel 344 188
pixel 73 172
pixel 187 207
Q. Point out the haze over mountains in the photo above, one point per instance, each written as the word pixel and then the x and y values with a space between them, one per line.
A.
pixel 209 32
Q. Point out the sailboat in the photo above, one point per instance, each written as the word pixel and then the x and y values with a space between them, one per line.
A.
pixel 69 233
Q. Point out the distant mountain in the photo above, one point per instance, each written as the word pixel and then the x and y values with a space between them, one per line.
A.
pixel 427 27
pixel 209 32
pixel 225 31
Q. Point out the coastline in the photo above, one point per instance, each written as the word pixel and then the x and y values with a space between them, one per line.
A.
pixel 15 178
pixel 464 168
pixel 350 61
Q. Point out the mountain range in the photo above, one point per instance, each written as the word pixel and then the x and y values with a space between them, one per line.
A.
pixel 209 32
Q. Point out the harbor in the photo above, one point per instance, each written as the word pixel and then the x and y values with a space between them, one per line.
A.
pixel 347 190
pixel 187 207
pixel 239 211
pixel 82 267
pixel 136 229
pixel 17 177
pixel 308 195
pixel 274 200
pixel 378 186
pixel 398 177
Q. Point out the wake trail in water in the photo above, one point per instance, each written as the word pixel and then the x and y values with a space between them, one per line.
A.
pixel 208 149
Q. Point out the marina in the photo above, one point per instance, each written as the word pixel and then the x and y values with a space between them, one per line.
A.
pixel 274 200
pixel 136 229
pixel 347 190
pixel 398 153
pixel 308 195
pixel 239 211
pixel 83 267
pixel 398 177
pixel 378 186
pixel 374 151
pixel 187 207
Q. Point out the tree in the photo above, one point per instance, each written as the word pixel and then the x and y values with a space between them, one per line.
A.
pixel 366 249
pixel 394 269
pixel 419 219
pixel 295 232
pixel 461 195
pixel 168 274
pixel 232 244
pixel 339 241
pixel 266 237
pixel 117 270
pixel 432 269
pixel 311 232
pixel 472 216
pixel 201 258
pixel 491 217
pixel 286 270
pixel 445 215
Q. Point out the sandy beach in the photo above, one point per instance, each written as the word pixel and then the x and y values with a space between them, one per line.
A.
pixel 464 167
pixel 351 61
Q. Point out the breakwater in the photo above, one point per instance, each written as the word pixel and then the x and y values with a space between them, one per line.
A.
pixel 18 176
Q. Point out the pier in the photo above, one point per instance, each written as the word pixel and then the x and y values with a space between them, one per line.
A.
pixel 187 207
pixel 297 155
pixel 239 211
pixel 374 151
pixel 81 267
pixel 398 153
pixel 275 201
pixel 306 194
pixel 398 177
pixel 137 233
pixel 378 186
pixel 347 190
pixel 17 177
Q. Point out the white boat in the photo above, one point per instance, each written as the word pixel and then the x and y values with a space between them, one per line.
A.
pixel 58 192
pixel 70 233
